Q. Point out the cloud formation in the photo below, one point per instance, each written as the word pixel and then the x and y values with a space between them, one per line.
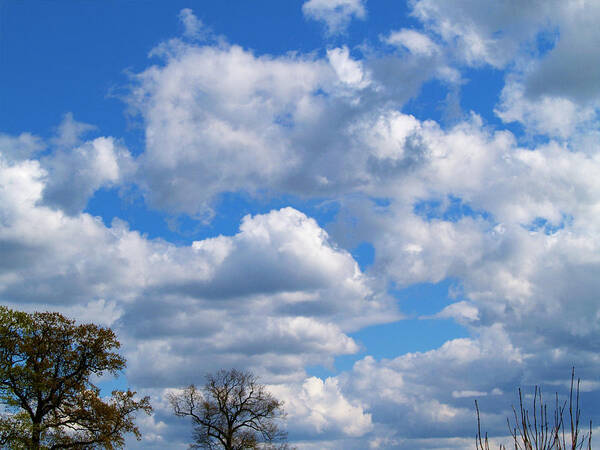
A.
pixel 280 275
pixel 318 406
pixel 335 14
pixel 511 217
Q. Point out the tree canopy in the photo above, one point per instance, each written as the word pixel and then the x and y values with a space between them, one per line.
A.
pixel 232 411
pixel 46 365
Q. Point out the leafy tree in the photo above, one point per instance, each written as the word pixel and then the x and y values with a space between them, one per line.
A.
pixel 46 362
pixel 232 411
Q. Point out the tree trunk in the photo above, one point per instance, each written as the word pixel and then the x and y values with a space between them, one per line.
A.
pixel 36 433
pixel 229 440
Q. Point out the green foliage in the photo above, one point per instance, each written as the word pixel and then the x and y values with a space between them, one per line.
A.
pixel 46 362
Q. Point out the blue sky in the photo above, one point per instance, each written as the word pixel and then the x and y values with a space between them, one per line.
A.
pixel 384 209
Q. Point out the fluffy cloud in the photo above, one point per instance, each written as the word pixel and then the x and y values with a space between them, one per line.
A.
pixel 349 71
pixel 275 297
pixel 414 395
pixel 513 221
pixel 218 119
pixel 484 32
pixel 221 119
pixel 561 117
pixel 336 14
pixel 282 278
pixel 74 174
pixel 453 206
pixel 72 170
pixel 57 251
pixel 279 278
pixel 549 48
pixel 20 147
pixel 318 406
pixel 70 132
pixel 456 212
pixel 414 41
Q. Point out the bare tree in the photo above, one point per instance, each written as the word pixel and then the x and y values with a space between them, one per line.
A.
pixel 232 411
pixel 542 434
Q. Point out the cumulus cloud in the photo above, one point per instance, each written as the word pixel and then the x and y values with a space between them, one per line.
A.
pixel 72 170
pixel 426 394
pixel 414 41
pixel 551 115
pixel 453 206
pixel 68 257
pixel 514 222
pixel 74 174
pixel 349 71
pixel 430 394
pixel 495 236
pixel 280 276
pixel 283 278
pixel 484 32
pixel 221 119
pixel 335 14
pixel 554 116
pixel 319 407
pixel 20 147
pixel 463 312
pixel 549 49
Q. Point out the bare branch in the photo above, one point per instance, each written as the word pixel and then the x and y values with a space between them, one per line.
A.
pixel 233 411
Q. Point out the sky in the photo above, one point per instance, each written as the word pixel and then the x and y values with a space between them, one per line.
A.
pixel 384 209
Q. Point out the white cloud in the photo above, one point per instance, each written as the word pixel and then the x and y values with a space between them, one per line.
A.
pixel 72 170
pixel 468 394
pixel 74 174
pixel 20 147
pixel 220 119
pixel 161 429
pixel 193 27
pixel 280 278
pixel 495 250
pixel 336 14
pixel 338 141
pixel 548 47
pixel 430 394
pixel 509 270
pixel 484 32
pixel 515 226
pixel 463 312
pixel 318 406
pixel 554 116
pixel 70 132
pixel 349 71
pixel 416 42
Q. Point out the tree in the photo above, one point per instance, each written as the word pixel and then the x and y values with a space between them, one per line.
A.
pixel 233 411
pixel 541 434
pixel 46 362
